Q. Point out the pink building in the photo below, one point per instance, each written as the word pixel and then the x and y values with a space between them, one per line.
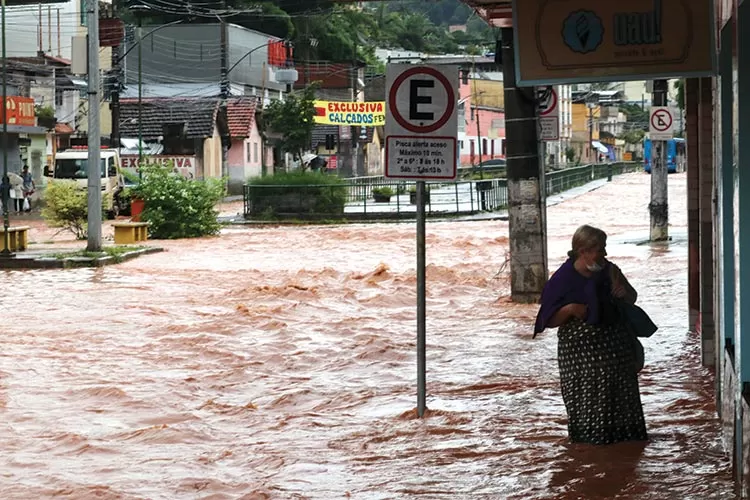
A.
pixel 489 138
pixel 245 155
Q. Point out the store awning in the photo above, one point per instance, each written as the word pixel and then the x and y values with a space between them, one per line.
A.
pixel 600 147
pixel 20 129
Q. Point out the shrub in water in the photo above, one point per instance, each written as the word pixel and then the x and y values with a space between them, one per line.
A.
pixel 177 207
pixel 66 207
pixel 298 192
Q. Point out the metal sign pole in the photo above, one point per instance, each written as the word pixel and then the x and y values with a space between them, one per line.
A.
pixel 421 143
pixel 421 304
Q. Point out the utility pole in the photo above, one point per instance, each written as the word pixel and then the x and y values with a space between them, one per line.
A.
pixel 659 207
pixel 139 39
pixel 6 253
pixel 114 104
pixel 94 134
pixel 527 210
pixel 224 92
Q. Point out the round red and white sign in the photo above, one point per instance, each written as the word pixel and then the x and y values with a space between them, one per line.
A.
pixel 433 112
pixel 661 120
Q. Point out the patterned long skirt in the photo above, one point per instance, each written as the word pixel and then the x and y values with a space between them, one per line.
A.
pixel 600 384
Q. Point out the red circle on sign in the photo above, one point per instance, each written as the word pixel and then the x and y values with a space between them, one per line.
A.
pixel 665 115
pixel 448 111
pixel 554 103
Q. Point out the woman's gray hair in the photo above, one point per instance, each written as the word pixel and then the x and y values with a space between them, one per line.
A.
pixel 585 238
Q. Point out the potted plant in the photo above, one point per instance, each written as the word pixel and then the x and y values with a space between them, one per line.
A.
pixel 45 116
pixel 413 195
pixel 382 194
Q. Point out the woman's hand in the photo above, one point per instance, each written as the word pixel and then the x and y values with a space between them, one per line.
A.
pixel 621 288
pixel 577 311
pixel 566 313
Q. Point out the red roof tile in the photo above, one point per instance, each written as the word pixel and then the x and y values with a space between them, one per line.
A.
pixel 241 116
pixel 63 129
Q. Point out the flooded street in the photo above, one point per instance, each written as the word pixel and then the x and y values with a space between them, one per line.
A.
pixel 280 362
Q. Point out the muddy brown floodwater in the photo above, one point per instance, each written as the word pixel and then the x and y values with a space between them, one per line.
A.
pixel 280 362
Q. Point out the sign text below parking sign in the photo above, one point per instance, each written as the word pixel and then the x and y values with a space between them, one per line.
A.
pixel 421 122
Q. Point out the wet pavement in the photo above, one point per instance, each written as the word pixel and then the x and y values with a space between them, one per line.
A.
pixel 279 362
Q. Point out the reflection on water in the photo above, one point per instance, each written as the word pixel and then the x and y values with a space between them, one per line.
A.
pixel 280 363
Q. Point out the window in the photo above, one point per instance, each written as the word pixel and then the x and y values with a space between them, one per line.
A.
pixel 484 146
pixel 58 97
pixel 247 152
pixel 70 168
pixel 493 149
pixel 255 152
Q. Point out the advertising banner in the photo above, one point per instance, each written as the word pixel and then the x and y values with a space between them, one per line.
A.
pixel 20 111
pixel 362 114
pixel 572 41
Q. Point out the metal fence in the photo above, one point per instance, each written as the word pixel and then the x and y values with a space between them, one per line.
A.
pixel 355 199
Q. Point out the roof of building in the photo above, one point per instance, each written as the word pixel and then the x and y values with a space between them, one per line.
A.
pixel 241 116
pixel 63 129
pixel 198 115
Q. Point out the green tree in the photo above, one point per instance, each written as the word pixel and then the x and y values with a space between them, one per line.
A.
pixel 633 136
pixel 177 207
pixel 66 207
pixel 679 86
pixel 637 116
pixel 291 121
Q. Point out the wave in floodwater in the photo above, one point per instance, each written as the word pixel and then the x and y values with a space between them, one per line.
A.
pixel 279 362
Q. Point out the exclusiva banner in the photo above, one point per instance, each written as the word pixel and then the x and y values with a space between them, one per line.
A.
pixel 362 114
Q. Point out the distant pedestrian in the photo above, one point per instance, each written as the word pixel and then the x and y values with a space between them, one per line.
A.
pixel 27 188
pixel 598 365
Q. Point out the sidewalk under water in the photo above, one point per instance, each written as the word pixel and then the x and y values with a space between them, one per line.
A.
pixel 280 362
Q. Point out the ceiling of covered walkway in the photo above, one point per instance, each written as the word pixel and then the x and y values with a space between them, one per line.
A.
pixel 495 12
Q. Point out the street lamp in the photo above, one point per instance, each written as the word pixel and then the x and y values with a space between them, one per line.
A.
pixel 140 10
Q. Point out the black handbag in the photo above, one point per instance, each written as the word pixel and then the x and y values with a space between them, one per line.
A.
pixel 636 319
pixel 638 324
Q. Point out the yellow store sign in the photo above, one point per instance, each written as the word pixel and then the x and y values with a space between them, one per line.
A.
pixel 360 114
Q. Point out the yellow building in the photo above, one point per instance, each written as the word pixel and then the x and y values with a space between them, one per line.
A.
pixel 585 128
pixel 488 93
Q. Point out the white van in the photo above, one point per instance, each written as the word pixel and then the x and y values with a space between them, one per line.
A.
pixel 73 164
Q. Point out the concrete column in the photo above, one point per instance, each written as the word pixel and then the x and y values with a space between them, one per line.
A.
pixel 692 88
pixel 724 221
pixel 706 206
pixel 527 210
pixel 742 249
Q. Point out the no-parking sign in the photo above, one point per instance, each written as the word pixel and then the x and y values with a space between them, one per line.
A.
pixel 422 121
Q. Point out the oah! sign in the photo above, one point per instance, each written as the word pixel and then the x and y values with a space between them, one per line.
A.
pixel 571 41
pixel 361 114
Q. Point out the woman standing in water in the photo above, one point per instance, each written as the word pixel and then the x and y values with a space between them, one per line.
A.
pixel 598 370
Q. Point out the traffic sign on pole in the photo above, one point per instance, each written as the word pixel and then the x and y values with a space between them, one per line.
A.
pixel 422 122
pixel 661 124
pixel 548 106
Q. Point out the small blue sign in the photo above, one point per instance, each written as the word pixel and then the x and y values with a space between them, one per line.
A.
pixel 583 31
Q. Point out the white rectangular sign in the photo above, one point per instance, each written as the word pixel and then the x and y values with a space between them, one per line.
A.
pixel 421 121
pixel 549 129
pixel 661 124
pixel 417 157
pixel 548 111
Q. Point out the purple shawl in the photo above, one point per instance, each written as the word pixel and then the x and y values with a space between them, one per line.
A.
pixel 568 286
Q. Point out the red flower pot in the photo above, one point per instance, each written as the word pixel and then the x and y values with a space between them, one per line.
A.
pixel 136 208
